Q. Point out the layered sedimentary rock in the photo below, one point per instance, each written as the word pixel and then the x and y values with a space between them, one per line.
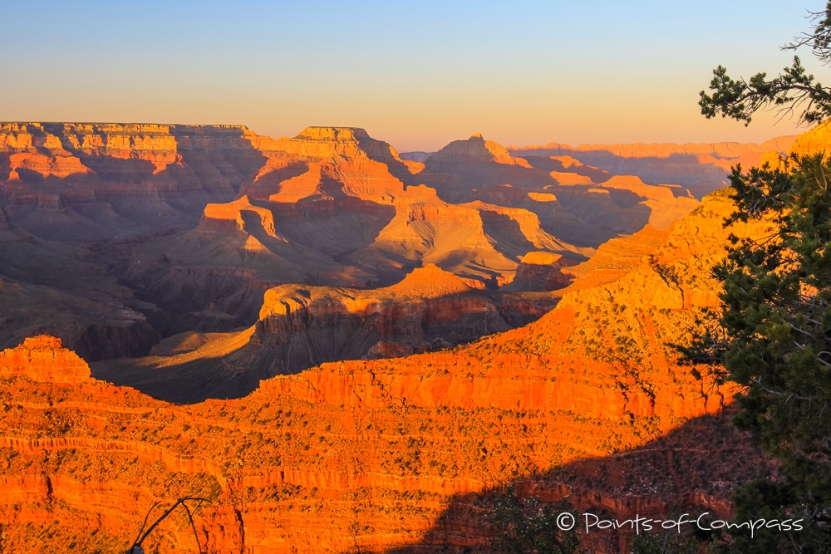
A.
pixel 105 188
pixel 616 258
pixel 69 181
pixel 699 167
pixel 575 202
pixel 201 220
pixel 42 359
pixel 50 287
pixel 301 326
pixel 540 271
pixel 815 141
pixel 400 455
pixel 333 207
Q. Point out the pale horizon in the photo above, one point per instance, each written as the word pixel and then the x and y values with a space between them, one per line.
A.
pixel 417 75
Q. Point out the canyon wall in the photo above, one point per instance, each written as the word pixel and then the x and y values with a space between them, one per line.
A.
pixel 187 226
pixel 76 198
pixel 89 181
pixel 300 326
pixel 333 207
pixel 401 455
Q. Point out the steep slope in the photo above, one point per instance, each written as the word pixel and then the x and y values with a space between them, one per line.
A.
pixel 577 203
pixel 331 207
pixel 107 188
pixel 541 271
pixel 616 258
pixel 301 326
pixel 473 240
pixel 48 287
pixel 69 181
pixel 376 455
pixel 200 221
pixel 817 140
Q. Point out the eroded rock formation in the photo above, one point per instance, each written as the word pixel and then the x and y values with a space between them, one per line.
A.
pixel 300 326
pixel 42 359
pixel 69 181
pixel 540 271
pixel 398 455
pixel 335 207
pixel 199 221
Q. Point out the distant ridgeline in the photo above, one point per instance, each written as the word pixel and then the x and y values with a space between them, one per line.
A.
pixel 699 167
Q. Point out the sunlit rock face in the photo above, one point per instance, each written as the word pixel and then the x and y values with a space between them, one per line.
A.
pixel 815 141
pixel 540 271
pixel 300 326
pixel 68 181
pixel 76 198
pixel 43 359
pixel 576 202
pixel 402 337
pixel 398 454
pixel 334 207
pixel 199 221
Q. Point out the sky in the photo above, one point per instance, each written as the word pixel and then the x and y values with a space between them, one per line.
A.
pixel 414 73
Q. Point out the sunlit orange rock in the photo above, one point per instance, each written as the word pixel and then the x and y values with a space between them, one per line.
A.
pixel 42 358
pixel 541 271
pixel 112 178
pixel 815 141
pixel 384 454
pixel 397 455
pixel 300 326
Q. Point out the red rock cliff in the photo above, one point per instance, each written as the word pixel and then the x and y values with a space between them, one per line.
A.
pixel 399 453
pixel 43 359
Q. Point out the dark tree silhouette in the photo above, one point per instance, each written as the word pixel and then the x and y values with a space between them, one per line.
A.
pixel 792 91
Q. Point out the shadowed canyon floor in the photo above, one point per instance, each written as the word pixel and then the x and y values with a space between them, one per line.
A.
pixel 400 337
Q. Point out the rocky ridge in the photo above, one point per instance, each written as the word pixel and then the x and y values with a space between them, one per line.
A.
pixel 70 181
pixel 399 455
pixel 199 221
pixel 576 202
pixel 42 359
pixel 300 326
pixel 333 207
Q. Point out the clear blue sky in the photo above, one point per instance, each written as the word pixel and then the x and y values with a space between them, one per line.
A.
pixel 415 73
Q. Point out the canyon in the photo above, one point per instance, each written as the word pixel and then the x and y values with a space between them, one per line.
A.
pixel 300 326
pixel 397 454
pixel 156 230
pixel 344 349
